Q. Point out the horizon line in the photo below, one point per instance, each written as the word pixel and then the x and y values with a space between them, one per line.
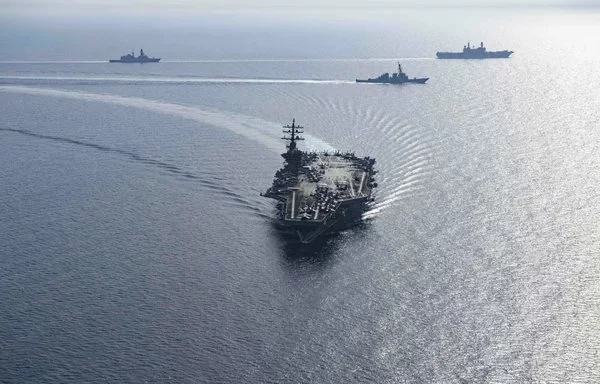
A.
pixel 12 7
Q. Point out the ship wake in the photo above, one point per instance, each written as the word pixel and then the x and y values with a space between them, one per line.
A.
pixel 209 182
pixel 404 150
pixel 256 129
pixel 167 80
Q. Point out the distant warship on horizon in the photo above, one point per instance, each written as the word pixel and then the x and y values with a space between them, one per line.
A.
pixel 130 58
pixel 474 53
pixel 395 78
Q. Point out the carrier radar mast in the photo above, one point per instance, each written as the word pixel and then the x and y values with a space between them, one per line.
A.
pixel 293 131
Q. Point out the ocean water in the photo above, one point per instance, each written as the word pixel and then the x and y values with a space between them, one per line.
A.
pixel 135 245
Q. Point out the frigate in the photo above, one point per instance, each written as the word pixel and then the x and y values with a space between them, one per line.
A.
pixel 131 58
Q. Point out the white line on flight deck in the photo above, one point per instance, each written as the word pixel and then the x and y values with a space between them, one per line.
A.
pixel 362 182
pixel 293 204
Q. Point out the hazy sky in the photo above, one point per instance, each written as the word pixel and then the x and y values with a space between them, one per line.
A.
pixel 271 4
pixel 13 10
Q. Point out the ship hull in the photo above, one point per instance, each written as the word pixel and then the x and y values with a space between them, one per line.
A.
pixel 486 55
pixel 348 215
pixel 376 81
pixel 135 61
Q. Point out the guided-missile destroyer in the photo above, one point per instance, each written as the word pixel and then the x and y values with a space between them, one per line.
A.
pixel 395 78
pixel 319 192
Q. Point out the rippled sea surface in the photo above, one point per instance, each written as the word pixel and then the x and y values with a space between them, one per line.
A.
pixel 135 245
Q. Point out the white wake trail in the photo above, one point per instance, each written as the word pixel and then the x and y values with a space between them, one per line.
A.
pixel 265 132
pixel 177 80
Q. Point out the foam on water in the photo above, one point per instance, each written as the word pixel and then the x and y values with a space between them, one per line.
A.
pixel 173 80
pixel 264 132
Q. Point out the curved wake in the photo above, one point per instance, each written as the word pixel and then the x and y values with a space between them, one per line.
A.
pixel 205 182
pixel 264 132
pixel 403 147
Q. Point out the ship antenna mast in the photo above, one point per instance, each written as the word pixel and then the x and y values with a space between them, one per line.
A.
pixel 293 131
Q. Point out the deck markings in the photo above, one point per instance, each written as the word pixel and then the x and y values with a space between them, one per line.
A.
pixel 362 181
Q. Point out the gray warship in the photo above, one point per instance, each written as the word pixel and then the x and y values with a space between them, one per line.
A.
pixel 474 53
pixel 131 58
pixel 396 78
pixel 319 193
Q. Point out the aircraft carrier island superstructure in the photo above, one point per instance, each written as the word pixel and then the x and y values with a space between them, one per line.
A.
pixel 319 192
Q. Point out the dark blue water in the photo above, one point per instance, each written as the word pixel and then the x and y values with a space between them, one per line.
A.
pixel 135 246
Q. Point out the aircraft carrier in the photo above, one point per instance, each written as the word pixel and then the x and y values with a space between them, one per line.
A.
pixel 319 192
pixel 474 53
